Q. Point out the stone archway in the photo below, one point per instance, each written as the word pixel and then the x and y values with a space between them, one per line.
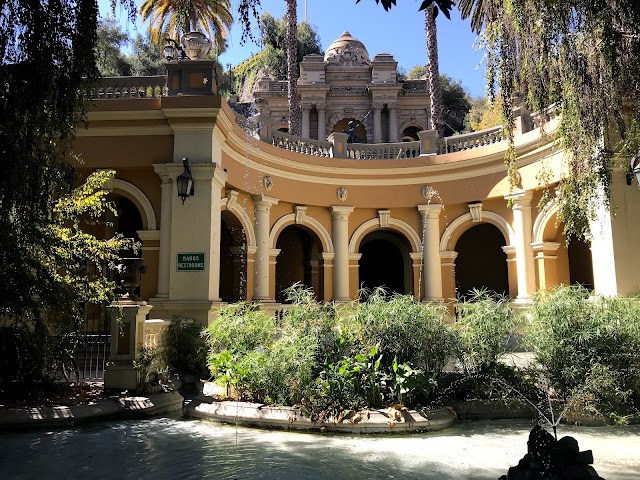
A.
pixel 385 261
pixel 481 262
pixel 233 259
pixel 299 261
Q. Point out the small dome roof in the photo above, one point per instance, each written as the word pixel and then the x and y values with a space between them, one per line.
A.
pixel 347 51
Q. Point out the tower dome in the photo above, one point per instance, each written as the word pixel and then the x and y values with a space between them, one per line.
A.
pixel 347 51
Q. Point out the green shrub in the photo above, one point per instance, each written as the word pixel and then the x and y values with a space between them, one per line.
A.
pixel 240 327
pixel 186 350
pixel 404 329
pixel 587 348
pixel 485 325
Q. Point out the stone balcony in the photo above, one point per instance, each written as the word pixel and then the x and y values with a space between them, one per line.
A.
pixel 336 146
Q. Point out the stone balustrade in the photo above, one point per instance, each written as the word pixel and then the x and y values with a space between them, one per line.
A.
pixel 307 146
pixel 108 88
pixel 383 151
pixel 155 333
pixel 458 143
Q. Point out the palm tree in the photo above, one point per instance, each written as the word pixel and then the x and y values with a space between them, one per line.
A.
pixel 435 94
pixel 477 10
pixel 292 67
pixel 172 17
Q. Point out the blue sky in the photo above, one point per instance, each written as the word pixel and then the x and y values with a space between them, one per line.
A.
pixel 399 32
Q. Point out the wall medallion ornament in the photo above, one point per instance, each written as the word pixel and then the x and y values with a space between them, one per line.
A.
pixel 428 192
pixel 342 194
pixel 267 182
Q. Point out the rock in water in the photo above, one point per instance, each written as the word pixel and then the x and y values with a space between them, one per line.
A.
pixel 548 459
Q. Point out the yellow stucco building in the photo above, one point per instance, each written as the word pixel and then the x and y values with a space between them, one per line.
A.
pixel 432 218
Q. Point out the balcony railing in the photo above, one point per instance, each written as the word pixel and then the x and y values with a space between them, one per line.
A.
pixel 481 138
pixel 383 151
pixel 301 145
pixel 108 88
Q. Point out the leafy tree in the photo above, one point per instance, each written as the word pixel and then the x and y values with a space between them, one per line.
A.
pixel 455 105
pixel 456 102
pixel 483 114
pixel 172 17
pixel 146 58
pixel 110 60
pixel 47 50
pixel 273 56
pixel 582 58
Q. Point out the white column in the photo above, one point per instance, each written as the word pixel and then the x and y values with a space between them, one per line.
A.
pixel 164 258
pixel 262 207
pixel 431 264
pixel 522 226
pixel 393 123
pixel 377 123
pixel 340 229
pixel 305 130
pixel 322 120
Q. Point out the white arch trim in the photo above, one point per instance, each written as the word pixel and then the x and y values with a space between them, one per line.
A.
pixel 549 210
pixel 394 224
pixel 148 215
pixel 488 217
pixel 414 123
pixel 312 223
pixel 244 219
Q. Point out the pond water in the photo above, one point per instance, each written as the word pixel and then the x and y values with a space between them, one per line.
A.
pixel 187 449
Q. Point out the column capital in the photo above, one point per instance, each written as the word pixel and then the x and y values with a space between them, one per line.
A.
pixel 264 202
pixel 545 246
pixel 148 235
pixel 520 199
pixel 431 210
pixel 321 107
pixel 341 212
pixel 392 106
pixel 377 106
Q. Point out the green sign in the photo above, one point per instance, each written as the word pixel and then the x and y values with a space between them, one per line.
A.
pixel 190 262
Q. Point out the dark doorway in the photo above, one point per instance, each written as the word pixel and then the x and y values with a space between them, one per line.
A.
pixel 298 261
pixel 233 259
pixel 580 263
pixel 481 262
pixel 385 262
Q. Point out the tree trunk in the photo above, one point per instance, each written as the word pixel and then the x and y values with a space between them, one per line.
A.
pixel 292 67
pixel 433 71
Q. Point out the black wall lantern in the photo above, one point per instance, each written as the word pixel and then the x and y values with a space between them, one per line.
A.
pixel 184 182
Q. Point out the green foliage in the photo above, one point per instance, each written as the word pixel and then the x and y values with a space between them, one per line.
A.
pixel 405 329
pixel 484 326
pixel 240 327
pixel 186 349
pixel 455 105
pixel 110 60
pixel 144 364
pixel 273 56
pixel 146 58
pixel 580 58
pixel 587 348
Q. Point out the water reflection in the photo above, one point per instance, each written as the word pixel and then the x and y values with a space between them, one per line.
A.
pixel 169 448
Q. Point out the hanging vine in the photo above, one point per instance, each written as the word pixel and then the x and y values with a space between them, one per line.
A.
pixel 579 59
